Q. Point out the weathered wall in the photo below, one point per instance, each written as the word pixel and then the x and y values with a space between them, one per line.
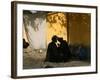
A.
pixel 79 28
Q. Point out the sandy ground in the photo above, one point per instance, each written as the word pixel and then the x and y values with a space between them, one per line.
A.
pixel 35 59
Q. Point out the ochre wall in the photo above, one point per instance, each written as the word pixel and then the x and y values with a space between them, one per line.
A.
pixel 56 25
pixel 79 28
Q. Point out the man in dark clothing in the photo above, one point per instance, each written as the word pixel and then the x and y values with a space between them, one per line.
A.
pixel 64 49
pixel 52 50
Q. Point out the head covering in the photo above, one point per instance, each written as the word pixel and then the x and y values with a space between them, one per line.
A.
pixel 54 38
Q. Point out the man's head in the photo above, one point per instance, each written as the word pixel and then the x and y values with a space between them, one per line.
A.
pixel 54 38
pixel 60 39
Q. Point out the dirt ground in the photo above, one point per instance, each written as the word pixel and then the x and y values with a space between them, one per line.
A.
pixel 35 59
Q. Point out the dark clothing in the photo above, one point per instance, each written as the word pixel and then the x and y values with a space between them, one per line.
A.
pixel 60 53
pixel 82 53
pixel 66 54
pixel 25 44
pixel 52 52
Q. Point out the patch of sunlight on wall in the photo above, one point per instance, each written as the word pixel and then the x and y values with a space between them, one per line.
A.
pixel 59 27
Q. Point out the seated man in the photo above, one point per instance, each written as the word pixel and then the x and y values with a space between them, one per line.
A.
pixel 64 49
pixel 52 50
